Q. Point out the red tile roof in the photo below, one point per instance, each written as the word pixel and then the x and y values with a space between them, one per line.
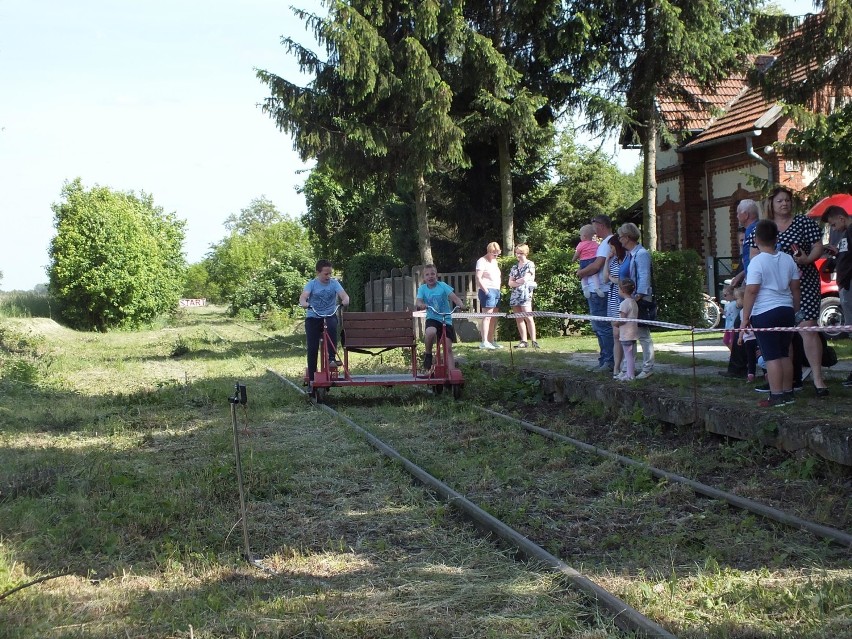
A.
pixel 683 116
pixel 748 110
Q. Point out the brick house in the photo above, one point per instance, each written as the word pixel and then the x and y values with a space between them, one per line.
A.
pixel 725 155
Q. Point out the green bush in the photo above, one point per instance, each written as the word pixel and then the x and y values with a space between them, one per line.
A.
pixel 274 288
pixel 678 286
pixel 357 273
pixel 677 279
pixel 24 304
pixel 558 291
pixel 116 260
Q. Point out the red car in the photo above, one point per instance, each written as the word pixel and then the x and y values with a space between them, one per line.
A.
pixel 830 311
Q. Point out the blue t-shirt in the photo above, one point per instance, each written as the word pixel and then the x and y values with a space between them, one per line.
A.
pixel 437 297
pixel 745 253
pixel 322 297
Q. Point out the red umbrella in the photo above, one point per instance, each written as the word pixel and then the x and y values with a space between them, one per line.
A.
pixel 843 200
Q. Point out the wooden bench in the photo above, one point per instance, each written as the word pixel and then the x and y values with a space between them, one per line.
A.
pixel 375 333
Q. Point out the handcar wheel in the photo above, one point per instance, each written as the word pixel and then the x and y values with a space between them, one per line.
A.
pixel 457 391
pixel 437 388
pixel 320 394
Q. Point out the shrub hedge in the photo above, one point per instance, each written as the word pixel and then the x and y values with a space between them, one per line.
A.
pixel 678 286
pixel 357 271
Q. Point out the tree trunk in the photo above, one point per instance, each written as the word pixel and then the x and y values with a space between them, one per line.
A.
pixel 507 205
pixel 649 192
pixel 421 211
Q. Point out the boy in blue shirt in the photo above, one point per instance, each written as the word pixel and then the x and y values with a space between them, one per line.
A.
pixel 438 295
pixel 320 297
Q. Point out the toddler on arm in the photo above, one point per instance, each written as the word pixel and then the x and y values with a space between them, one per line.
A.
pixel 585 253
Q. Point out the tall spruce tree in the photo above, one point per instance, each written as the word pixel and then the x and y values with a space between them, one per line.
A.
pixel 378 107
pixel 649 48
pixel 524 62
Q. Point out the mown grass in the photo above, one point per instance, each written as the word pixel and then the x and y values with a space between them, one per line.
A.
pixel 702 568
pixel 117 468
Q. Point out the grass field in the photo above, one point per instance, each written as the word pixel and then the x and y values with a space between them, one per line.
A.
pixel 117 481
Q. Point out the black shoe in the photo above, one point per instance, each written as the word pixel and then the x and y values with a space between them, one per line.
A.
pixel 821 392
pixel 427 361
pixel 797 386
pixel 848 382
pixel 763 388
pixel 730 375
pixel 774 401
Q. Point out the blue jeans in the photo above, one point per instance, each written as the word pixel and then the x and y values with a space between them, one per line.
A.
pixel 597 306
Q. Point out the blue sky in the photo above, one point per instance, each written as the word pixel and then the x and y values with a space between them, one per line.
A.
pixel 146 95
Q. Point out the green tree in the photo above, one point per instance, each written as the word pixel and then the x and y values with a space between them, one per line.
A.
pixel 259 214
pixel 822 47
pixel 586 182
pixel 198 284
pixel 522 65
pixel 342 220
pixel 116 259
pixel 378 107
pixel 824 141
pixel 648 49
pixel 252 244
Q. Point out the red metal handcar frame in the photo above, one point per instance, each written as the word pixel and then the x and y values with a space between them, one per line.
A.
pixel 439 376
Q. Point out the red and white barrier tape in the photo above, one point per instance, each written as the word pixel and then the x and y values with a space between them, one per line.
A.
pixel 678 327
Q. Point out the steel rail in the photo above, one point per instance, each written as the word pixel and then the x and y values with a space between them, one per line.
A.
pixel 839 536
pixel 624 616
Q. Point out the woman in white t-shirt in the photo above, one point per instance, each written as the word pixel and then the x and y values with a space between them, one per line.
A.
pixel 488 292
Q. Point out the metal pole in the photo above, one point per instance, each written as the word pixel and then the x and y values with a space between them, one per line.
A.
pixel 240 483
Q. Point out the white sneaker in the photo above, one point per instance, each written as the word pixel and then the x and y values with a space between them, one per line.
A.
pixel 496 345
pixel 487 345
pixel 621 377
pixel 644 374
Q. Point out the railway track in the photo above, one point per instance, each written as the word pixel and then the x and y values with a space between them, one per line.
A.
pixel 834 535
pixel 624 615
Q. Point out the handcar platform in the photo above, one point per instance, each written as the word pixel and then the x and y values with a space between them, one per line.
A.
pixel 374 333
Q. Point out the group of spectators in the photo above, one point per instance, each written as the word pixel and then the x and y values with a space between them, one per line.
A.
pixel 621 267
pixel 615 274
pixel 776 286
pixel 779 286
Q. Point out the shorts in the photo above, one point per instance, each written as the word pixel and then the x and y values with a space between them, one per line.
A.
pixel 451 332
pixel 490 299
pixel 774 344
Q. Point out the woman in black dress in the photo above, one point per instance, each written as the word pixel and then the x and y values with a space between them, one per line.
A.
pixel 800 236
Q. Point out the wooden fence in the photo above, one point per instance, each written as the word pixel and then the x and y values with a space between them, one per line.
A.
pixel 396 291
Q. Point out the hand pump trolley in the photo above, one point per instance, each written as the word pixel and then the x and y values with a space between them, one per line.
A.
pixel 374 333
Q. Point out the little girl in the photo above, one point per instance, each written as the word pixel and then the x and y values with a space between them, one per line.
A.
pixel 628 332
pixel 732 309
pixel 746 338
pixel 585 253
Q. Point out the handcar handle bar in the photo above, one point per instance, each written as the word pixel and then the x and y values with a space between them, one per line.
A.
pixel 320 315
pixel 437 312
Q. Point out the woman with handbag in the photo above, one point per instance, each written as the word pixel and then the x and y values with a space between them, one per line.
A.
pixel 637 267
pixel 522 283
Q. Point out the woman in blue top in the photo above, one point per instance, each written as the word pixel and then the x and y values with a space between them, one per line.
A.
pixel 637 267
pixel 320 297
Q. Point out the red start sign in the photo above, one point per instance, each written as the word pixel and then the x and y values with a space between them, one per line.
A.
pixel 184 303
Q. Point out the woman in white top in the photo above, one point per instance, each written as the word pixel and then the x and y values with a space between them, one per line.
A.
pixel 488 292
